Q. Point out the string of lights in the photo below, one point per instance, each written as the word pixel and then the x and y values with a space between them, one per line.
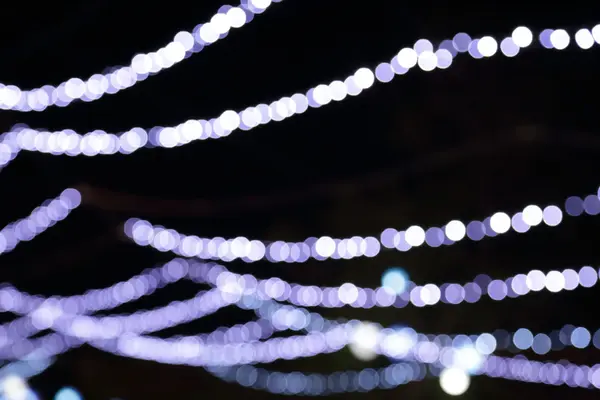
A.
pixel 41 314
pixel 183 45
pixel 421 56
pixel 41 218
pixel 217 248
pixel 579 337
pixel 86 329
pixel 228 352
pixel 347 294
pixel 368 379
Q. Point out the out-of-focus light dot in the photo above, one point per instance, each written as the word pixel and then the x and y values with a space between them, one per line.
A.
pixel 384 72
pixel 486 344
pixel 542 344
pixel 522 36
pixel 555 281
pixel 552 215
pixel 454 381
pixel 444 58
pixel 500 222
pixel 508 47
pixel 325 246
pixel 560 39
pixel 455 230
pixel 395 279
pixel 13 387
pixel 468 359
pixel 407 58
pixel 427 61
pixel 581 338
pixel 415 236
pixel 487 46
pixel 545 38
pixel 364 341
pixel 533 215
pixel 584 39
pixel 68 393
pixel 461 42
pixel 423 45
pixel 364 78
pixel 523 339
pixel 596 33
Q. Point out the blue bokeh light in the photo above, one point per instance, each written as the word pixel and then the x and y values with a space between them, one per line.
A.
pixel 68 393
pixel 395 279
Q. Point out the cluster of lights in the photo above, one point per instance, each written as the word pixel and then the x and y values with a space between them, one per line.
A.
pixel 425 350
pixel 61 313
pixel 421 55
pixel 298 383
pixel 228 350
pixel 232 288
pixel 217 248
pixel 40 219
pixel 181 47
pixel 454 381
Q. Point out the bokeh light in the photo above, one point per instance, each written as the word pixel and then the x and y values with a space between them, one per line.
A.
pixel 395 279
pixel 13 387
pixel 68 393
pixel 454 381
pixel 364 341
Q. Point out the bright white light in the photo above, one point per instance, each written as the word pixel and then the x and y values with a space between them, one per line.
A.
pixel 14 388
pixel 455 230
pixel 468 359
pixel 533 215
pixel 584 39
pixel 395 279
pixel 487 46
pixel 522 36
pixel 407 58
pixel 500 222
pixel 454 381
pixel 364 78
pixel 560 39
pixel 427 61
pixel 364 341
pixel 325 246
pixel 415 236
pixel 399 343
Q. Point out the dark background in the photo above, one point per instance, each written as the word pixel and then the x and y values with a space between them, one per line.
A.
pixel 429 147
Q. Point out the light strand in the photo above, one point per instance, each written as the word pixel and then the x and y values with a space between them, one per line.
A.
pixel 422 56
pixel 369 379
pixel 169 240
pixel 40 219
pixel 141 67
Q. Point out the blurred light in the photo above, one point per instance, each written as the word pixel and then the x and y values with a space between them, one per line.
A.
pixel 14 388
pixel 364 341
pixel 395 279
pixel 454 381
pixel 68 393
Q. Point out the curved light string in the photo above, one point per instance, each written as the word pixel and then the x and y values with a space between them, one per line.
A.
pixel 347 294
pixel 277 346
pixel 53 313
pixel 325 341
pixel 41 218
pixel 421 55
pixel 92 328
pixel 516 368
pixel 168 240
pixel 141 67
